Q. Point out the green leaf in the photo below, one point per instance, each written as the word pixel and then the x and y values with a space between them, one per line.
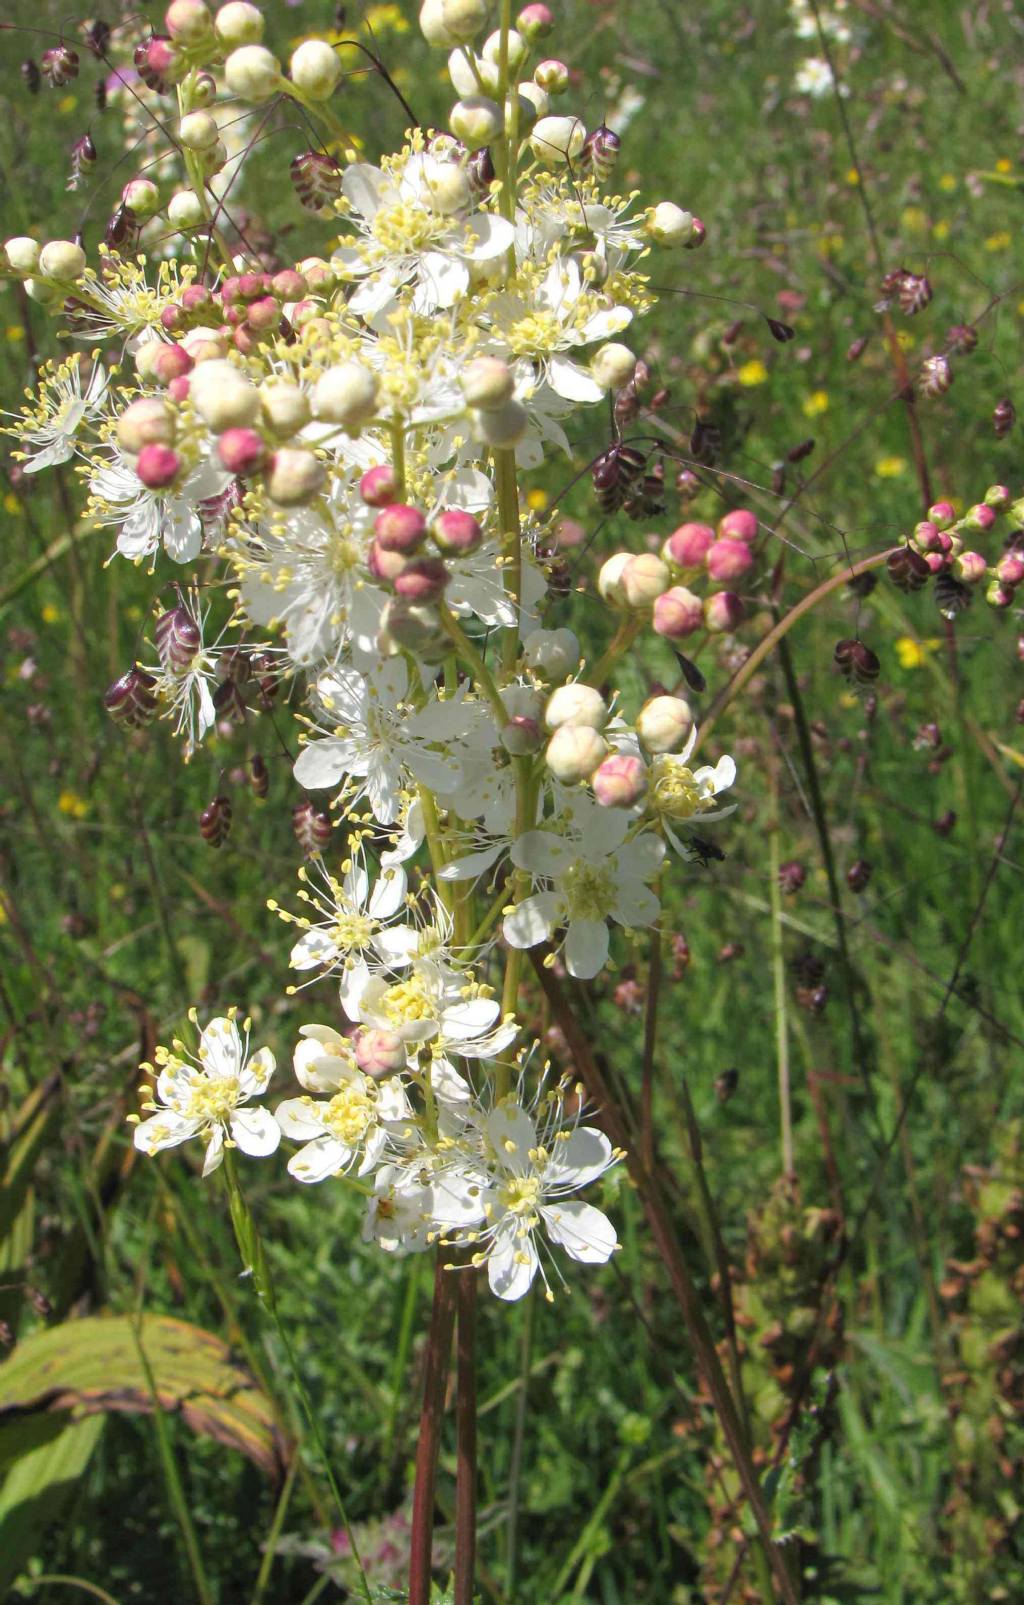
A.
pixel 94 1365
pixel 42 1456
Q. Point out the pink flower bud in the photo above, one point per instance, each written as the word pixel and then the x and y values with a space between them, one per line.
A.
pixel 937 561
pixel 242 451
pixel 942 514
pixel 728 560
pixel 250 285
pixel 379 1053
pixel 145 422
pixel 171 317
pixel 723 611
pixel 971 567
pixel 178 389
pixel 620 781
pixel 1010 568
pixel 378 485
pixel 385 566
pixel 194 296
pixel 288 285
pixel 698 235
pixel 678 613
pixel 979 518
pixel 422 580
pixel 998 497
pixel 688 545
pixel 400 528
pixel 171 362
pixel 456 532
pixel 738 525
pixel 158 466
pixel 998 595
pixel 944 542
pixel 162 59
pixel 522 735
pixel 926 536
pixel 535 22
pixel 264 314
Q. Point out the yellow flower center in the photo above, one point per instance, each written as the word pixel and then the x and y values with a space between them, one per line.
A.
pixel 521 1195
pixel 674 790
pixel 538 334
pixel 350 1112
pixel 352 931
pixel 406 229
pixel 213 1101
pixel 408 1001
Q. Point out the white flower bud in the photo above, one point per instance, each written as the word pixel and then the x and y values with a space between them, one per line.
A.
pixel 62 260
pixel 552 76
pixel 188 22
pixel 609 579
pixel 551 653
pixel 523 702
pixel 147 421
pixel 613 365
pixel 576 704
pixel 284 406
pixel 668 224
pixel 643 579
pixel 447 186
pixel 253 73
pixel 574 752
pixel 146 357
pixel 518 49
pixel 315 69
pixel 433 26
pixel 347 395
pixel 42 292
pixel 664 723
pixel 476 121
pixel 558 139
pixel 214 157
pixel 223 396
pixel 487 382
pixel 538 101
pixel 503 427
pixel 292 478
pixel 238 24
pixel 185 210
pixel 142 198
pixel 460 71
pixel 22 254
pixel 198 131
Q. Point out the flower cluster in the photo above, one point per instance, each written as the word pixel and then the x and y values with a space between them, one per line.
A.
pixel 336 445
pixel 938 549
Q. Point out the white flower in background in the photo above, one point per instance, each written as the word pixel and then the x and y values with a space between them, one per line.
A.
pixel 205 1096
pixel 47 432
pixel 350 1128
pixel 813 77
pixel 417 227
pixel 381 738
pixel 150 519
pixel 545 313
pixel 435 1006
pixel 353 914
pixel 532 1174
pixel 680 796
pixel 593 873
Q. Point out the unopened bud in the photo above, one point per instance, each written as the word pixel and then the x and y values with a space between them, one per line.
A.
pixel 678 613
pixel 620 781
pixel 1010 568
pixel 188 21
pixel 456 533
pixel 223 396
pixel 400 528
pixel 551 653
pixel 422 579
pixel 613 365
pixel 346 395
pixel 668 224
pixel 556 140
pixel 522 735
pixel 284 407
pixel 942 514
pixel 516 49
pixel 502 427
pixel 576 704
pixel 253 73
pixel 998 497
pixel 238 23
pixel 22 254
pixel 293 478
pixel 740 524
pixel 979 519
pixel 688 545
pixel 477 121
pixel 242 451
pixel 158 466
pixel 378 486
pixel 574 752
pixel 315 69
pixel 198 131
pixel 663 723
pixel 643 579
pixel 728 560
pixel 487 383
pixel 723 611
pixel 145 422
pixel 185 210
pixel 380 1053
pixel 415 628
pixel 535 22
pixel 971 568
pixel 62 260
pixel 552 76
pixel 609 579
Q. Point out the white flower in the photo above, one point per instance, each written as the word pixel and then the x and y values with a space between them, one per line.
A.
pixel 151 519
pixel 813 77
pixel 531 1175
pixel 544 315
pixel 594 874
pixel 435 1005
pixel 353 914
pixel 409 234
pixel 351 1128
pixel 204 1098
pixel 381 739
pixel 47 434
pixel 680 796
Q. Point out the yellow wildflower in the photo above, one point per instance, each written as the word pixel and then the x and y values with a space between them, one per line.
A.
pixel 752 373
pixel 70 803
pixel 890 467
pixel 815 404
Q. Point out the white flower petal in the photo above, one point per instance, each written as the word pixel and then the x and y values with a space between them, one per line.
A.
pixel 584 1232
pixel 511 1265
pixel 533 920
pixel 586 948
pixel 255 1131
pixel 320 1159
pixel 584 1156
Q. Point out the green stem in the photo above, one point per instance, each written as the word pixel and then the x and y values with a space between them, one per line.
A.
pixel 779 976
pixel 474 660
pixel 63 1580
pixel 624 636
pixel 516 1460
pixel 270 1548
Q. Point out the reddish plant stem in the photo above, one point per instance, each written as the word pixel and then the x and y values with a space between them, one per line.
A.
pixel 465 1421
pixel 663 1231
pixel 439 1341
